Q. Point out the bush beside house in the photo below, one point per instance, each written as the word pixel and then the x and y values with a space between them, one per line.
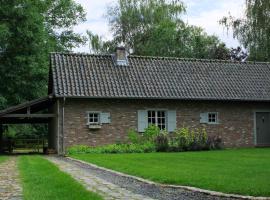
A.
pixel 156 140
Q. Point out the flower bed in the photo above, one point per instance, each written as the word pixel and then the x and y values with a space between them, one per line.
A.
pixel 156 140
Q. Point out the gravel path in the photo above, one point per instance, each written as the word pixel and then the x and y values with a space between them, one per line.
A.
pixel 114 186
pixel 88 178
pixel 10 188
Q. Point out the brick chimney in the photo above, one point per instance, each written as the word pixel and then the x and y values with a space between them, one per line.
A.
pixel 121 56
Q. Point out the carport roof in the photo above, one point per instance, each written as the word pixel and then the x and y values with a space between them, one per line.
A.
pixel 27 112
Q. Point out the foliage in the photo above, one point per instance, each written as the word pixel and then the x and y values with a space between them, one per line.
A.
pixel 155 28
pixel 98 46
pixel 182 138
pixel 43 180
pixel 9 133
pixel 156 140
pixel 192 140
pixel 253 30
pixel 25 131
pixel 113 148
pixel 133 137
pixel 29 30
pixel 235 171
pixel 150 133
pixel 162 142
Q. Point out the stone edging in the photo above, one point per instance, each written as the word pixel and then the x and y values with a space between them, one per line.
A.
pixel 193 189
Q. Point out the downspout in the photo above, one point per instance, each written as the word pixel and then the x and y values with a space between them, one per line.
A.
pixel 63 121
pixel 58 127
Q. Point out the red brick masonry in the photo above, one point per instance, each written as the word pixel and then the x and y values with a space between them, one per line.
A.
pixel 236 119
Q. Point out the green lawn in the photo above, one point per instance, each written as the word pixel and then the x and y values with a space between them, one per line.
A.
pixel 2 158
pixel 42 180
pixel 243 171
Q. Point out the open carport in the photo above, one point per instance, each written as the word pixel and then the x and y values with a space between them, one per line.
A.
pixel 38 111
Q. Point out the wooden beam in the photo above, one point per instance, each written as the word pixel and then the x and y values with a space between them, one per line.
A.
pixel 24 120
pixel 29 116
pixel 28 110
pixel 1 138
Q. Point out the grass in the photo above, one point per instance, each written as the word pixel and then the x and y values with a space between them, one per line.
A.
pixel 3 158
pixel 42 180
pixel 242 171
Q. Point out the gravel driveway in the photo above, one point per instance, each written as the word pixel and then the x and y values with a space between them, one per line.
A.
pixel 114 186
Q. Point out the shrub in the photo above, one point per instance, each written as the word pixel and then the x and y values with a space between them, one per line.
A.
pixel 183 139
pixel 198 142
pixel 194 140
pixel 173 145
pixel 150 133
pixel 155 140
pixel 162 142
pixel 134 137
pixel 113 148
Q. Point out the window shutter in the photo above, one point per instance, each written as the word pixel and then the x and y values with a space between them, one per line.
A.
pixel 142 120
pixel 105 118
pixel 171 118
pixel 203 118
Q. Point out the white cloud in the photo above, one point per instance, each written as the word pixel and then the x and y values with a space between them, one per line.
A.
pixel 209 18
pixel 203 13
pixel 96 21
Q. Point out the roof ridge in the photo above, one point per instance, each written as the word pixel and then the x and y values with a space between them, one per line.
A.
pixel 80 53
pixel 164 58
pixel 198 59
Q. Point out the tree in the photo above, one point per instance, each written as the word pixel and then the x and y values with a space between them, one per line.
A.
pixel 253 31
pixel 29 30
pixel 97 45
pixel 155 28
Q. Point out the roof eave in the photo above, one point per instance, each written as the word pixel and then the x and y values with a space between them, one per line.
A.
pixel 163 98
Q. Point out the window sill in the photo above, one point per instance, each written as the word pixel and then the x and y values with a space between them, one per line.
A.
pixel 212 123
pixel 94 126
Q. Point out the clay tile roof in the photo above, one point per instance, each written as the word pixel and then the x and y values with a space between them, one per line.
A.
pixel 98 76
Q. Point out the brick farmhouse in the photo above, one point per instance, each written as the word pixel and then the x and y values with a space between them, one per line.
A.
pixel 96 99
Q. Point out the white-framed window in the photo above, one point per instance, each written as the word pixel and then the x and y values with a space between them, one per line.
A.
pixel 212 117
pixel 157 118
pixel 93 118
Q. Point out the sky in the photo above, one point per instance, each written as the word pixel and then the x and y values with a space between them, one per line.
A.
pixel 203 13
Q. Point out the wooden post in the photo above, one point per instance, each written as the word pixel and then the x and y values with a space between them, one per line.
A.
pixel 1 137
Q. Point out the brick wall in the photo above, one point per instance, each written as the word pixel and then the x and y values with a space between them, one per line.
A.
pixel 235 127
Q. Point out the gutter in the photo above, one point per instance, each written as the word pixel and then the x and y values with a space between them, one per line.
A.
pixel 165 98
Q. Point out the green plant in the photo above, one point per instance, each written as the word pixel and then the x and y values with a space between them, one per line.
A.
pixel 150 133
pixel 194 140
pixel 113 148
pixel 9 133
pixel 133 136
pixel 162 142
pixel 155 140
pixel 183 138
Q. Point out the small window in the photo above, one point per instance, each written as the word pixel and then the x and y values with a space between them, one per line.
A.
pixel 212 118
pixel 158 118
pixel 93 118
